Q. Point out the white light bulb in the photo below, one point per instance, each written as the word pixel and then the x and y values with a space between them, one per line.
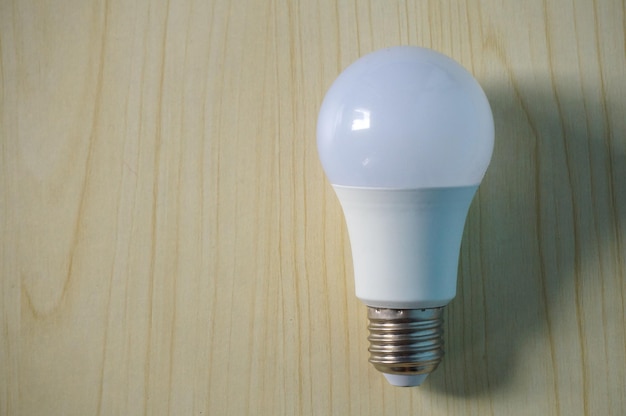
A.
pixel 405 136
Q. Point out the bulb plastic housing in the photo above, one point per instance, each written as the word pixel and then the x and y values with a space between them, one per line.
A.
pixel 405 136
pixel 405 243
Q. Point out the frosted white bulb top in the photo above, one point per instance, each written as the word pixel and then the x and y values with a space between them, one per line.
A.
pixel 405 118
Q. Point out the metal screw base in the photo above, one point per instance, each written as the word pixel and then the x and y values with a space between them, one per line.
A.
pixel 406 342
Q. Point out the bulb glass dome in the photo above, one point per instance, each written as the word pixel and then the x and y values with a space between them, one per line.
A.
pixel 405 118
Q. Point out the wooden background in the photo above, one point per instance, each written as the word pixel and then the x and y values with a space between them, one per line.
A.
pixel 169 244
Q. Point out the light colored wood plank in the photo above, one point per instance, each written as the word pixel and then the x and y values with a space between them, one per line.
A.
pixel 170 245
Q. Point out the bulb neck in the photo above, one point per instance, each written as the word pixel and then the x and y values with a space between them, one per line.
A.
pixel 405 344
pixel 405 243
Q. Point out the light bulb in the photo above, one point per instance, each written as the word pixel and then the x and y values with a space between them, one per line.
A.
pixel 405 136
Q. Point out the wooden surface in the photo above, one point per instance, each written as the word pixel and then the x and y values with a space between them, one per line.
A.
pixel 169 244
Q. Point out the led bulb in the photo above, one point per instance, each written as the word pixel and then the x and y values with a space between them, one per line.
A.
pixel 405 136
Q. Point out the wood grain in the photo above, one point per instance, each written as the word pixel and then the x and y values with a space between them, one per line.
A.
pixel 169 244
